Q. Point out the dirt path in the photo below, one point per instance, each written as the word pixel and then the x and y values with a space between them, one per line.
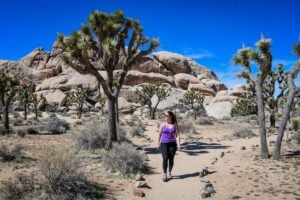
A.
pixel 185 183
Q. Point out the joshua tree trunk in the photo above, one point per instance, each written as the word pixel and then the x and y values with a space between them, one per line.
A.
pixel 261 119
pixel 36 112
pixel 6 108
pixel 117 110
pixel 272 118
pixel 111 122
pixel 25 111
pixel 285 117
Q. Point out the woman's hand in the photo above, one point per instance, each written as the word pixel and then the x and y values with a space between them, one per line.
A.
pixel 178 146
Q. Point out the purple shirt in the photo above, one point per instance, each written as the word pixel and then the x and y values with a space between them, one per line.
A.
pixel 168 134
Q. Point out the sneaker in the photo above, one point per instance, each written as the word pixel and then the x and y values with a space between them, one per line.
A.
pixel 169 176
pixel 164 178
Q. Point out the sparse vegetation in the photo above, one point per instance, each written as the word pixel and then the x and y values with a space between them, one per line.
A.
pixel 194 100
pixel 137 131
pixel 205 121
pixel 77 98
pixel 9 154
pixel 124 158
pixel 295 124
pixel 94 135
pixel 56 125
pixel 246 105
pixel 10 190
pixel 243 133
pixel 186 127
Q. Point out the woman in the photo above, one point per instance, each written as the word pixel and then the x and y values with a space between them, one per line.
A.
pixel 168 134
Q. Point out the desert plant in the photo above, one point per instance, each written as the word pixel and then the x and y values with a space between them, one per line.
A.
pixel 205 121
pixel 8 89
pixel 102 100
pixel 36 99
pixel 77 98
pixel 94 135
pixel 186 127
pixel 149 91
pixel 137 131
pixel 10 154
pixel 245 105
pixel 194 100
pixel 243 133
pixel 25 91
pixel 295 124
pixel 59 167
pixel 124 158
pixel 107 41
pixel 56 125
pixel 10 190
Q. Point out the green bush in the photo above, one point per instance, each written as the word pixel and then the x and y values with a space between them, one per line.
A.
pixel 295 124
pixel 124 158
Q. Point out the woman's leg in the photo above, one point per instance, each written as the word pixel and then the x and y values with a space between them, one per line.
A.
pixel 164 153
pixel 171 154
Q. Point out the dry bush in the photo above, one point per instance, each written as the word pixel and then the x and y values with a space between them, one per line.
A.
pixel 295 124
pixel 10 154
pixel 60 170
pixel 137 131
pixel 243 133
pixel 124 158
pixel 206 121
pixel 186 127
pixel 94 135
pixel 56 125
pixel 10 190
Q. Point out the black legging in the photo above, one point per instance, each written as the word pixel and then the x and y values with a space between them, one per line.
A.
pixel 168 151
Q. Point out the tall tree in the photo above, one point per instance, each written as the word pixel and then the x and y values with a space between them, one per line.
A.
pixel 8 89
pixel 77 98
pixel 262 56
pixel 101 43
pixel 193 100
pixel 293 91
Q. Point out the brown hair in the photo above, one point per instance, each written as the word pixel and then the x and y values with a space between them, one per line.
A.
pixel 173 117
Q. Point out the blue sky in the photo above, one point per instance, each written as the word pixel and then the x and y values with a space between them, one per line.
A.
pixel 209 31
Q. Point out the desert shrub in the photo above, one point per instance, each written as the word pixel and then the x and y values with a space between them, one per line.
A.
pixel 124 158
pixel 295 124
pixel 60 170
pixel 296 137
pixel 28 182
pixel 94 135
pixel 33 130
pixel 243 133
pixel 186 127
pixel 137 131
pixel 10 154
pixel 10 190
pixel 56 125
pixel 205 121
pixel 18 122
pixel 21 132
pixel 16 115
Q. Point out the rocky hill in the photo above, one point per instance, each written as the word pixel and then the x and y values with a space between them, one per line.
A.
pixel 54 79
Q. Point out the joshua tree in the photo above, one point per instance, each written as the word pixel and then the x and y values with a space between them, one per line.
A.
pixel 293 91
pixel 246 105
pixel 148 91
pixel 101 43
pixel 194 100
pixel 36 99
pixel 262 56
pixel 102 100
pixel 77 98
pixel 8 89
pixel 25 93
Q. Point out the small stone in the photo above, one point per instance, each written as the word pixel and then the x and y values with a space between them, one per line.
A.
pixel 138 193
pixel 222 154
pixel 243 148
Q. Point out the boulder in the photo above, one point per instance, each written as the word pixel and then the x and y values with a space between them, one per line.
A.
pixel 183 80
pixel 200 87
pixel 174 62
pixel 135 77
pixel 148 64
pixel 201 71
pixel 17 69
pixel 37 59
pixel 219 110
pixel 53 83
pixel 54 97
pixel 214 84
pixel 236 92
pixel 224 98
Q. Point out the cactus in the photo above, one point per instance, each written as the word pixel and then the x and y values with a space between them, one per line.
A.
pixel 147 92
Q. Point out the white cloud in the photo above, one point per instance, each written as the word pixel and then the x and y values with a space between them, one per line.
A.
pixel 197 54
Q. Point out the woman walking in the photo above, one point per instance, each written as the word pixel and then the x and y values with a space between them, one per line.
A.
pixel 168 142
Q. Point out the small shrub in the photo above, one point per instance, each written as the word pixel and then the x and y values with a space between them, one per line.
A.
pixel 136 131
pixel 94 135
pixel 243 133
pixel 205 121
pixel 8 154
pixel 32 131
pixel 27 182
pixel 16 115
pixel 124 158
pixel 295 124
pixel 296 137
pixel 10 190
pixel 186 127
pixel 56 125
pixel 21 132
pixel 60 169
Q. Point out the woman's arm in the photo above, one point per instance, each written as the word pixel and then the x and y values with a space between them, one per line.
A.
pixel 159 136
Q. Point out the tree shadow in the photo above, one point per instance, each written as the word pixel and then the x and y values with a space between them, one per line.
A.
pixel 152 150
pixel 292 154
pixel 184 176
pixel 195 148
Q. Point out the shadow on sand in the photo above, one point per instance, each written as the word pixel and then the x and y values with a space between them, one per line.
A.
pixel 195 148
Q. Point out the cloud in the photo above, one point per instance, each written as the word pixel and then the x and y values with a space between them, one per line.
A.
pixel 193 54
